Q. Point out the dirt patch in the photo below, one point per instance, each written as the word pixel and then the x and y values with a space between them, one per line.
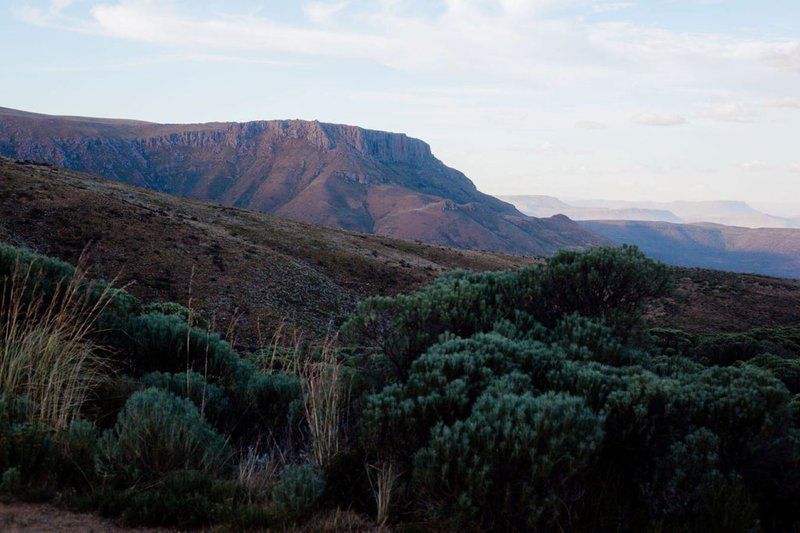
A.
pixel 16 517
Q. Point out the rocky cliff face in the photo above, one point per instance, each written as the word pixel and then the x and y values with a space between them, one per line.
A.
pixel 335 175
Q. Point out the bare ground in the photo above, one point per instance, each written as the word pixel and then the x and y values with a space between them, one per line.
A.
pixel 42 517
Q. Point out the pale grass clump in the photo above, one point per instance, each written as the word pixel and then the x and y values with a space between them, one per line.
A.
pixel 319 369
pixel 257 471
pixel 383 479
pixel 46 353
pixel 321 380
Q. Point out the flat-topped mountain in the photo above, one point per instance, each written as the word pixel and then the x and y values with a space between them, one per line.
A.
pixel 334 175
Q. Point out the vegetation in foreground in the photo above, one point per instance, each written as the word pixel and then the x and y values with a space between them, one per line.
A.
pixel 532 399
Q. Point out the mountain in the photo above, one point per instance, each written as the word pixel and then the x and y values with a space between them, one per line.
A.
pixel 731 213
pixel 547 206
pixel 771 251
pixel 249 269
pixel 335 175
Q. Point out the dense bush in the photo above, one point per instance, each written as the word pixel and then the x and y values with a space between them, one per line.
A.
pixel 46 277
pixel 519 400
pixel 671 437
pixel 185 499
pixel 297 491
pixel 210 399
pixel 167 343
pixel 516 462
pixel 609 284
pixel 190 316
pixel 156 433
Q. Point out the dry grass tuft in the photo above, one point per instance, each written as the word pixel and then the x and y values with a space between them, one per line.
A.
pixel 258 470
pixel 383 479
pixel 322 392
pixel 46 353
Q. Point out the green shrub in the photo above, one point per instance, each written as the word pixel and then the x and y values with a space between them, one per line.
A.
pixel 183 499
pixel 46 275
pixel 79 444
pixel 156 433
pixel 609 284
pixel 604 282
pixel 11 483
pixel 190 316
pixel 209 398
pixel 516 462
pixel 297 491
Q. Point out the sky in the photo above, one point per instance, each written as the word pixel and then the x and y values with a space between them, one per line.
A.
pixel 634 100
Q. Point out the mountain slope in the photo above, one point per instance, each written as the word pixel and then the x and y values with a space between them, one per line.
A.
pixel 256 269
pixel 334 175
pixel 229 262
pixel 771 251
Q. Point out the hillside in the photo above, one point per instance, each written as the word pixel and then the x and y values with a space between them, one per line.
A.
pixel 334 175
pixel 229 262
pixel 262 269
pixel 770 251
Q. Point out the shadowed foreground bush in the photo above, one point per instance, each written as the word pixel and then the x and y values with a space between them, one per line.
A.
pixel 156 433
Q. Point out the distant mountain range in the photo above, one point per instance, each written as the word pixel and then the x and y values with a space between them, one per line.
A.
pixel 730 213
pixel 334 175
pixel 672 231
pixel 772 251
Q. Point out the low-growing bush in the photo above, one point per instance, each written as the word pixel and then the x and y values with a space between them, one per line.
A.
pixel 516 462
pixel 184 499
pixel 157 433
pixel 297 491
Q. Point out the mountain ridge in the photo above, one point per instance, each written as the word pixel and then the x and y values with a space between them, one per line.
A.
pixel 335 175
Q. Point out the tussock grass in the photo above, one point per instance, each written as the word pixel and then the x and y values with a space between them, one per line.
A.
pixel 46 353
pixel 383 479
pixel 322 393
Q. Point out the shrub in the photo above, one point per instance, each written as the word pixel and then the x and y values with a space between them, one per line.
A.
pixel 209 398
pixel 183 499
pixel 190 316
pixel 609 284
pixel 297 491
pixel 156 433
pixel 11 482
pixel 604 282
pixel 79 450
pixel 515 462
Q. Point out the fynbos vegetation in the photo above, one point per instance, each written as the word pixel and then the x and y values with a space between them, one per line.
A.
pixel 533 399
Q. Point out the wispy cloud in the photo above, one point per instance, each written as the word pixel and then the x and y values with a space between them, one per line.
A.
pixel 786 102
pixel 729 112
pixel 659 119
pixel 591 125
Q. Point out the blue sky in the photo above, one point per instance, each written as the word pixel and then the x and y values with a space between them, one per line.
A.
pixel 647 99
